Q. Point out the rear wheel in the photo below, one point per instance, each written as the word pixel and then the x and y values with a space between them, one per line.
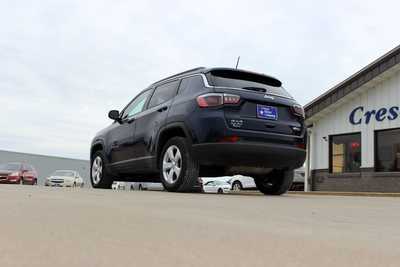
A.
pixel 220 191
pixel 99 176
pixel 178 170
pixel 276 182
pixel 237 186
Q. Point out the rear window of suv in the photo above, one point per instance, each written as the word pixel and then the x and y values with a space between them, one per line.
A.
pixel 248 81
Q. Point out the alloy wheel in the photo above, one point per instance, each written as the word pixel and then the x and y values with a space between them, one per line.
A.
pixel 97 170
pixel 172 164
pixel 236 187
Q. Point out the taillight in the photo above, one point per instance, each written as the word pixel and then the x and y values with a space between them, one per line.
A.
pixel 231 99
pixel 210 100
pixel 214 100
pixel 301 145
pixel 298 110
pixel 229 139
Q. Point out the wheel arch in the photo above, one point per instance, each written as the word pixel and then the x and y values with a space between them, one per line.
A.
pixel 236 182
pixel 169 131
pixel 97 146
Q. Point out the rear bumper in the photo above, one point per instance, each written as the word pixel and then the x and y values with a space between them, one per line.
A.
pixel 249 154
pixel 10 181
pixel 28 181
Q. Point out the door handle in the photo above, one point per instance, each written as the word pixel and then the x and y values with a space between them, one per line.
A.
pixel 269 125
pixel 162 109
pixel 114 144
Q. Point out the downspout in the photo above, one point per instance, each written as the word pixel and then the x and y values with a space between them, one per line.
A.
pixel 308 160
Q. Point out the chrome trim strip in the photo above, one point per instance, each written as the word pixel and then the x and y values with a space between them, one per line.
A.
pixel 206 84
pixel 131 160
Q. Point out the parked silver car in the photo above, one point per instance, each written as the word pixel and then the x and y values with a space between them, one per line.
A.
pixel 66 178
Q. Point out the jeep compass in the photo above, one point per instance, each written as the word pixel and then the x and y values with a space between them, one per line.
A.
pixel 205 122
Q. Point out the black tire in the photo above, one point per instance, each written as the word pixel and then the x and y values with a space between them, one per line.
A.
pixel 238 185
pixel 106 179
pixel 187 181
pixel 220 191
pixel 276 182
pixel 140 187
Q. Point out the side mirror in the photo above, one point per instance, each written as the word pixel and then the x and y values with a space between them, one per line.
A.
pixel 114 115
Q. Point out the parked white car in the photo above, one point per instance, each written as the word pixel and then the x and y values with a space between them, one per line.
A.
pixel 66 178
pixel 217 186
pixel 240 182
pixel 237 182
pixel 118 186
pixel 146 186
pixel 298 180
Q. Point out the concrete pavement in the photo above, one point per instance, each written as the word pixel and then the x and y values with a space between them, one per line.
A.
pixel 83 227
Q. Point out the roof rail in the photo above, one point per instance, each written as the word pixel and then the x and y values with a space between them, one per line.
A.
pixel 181 73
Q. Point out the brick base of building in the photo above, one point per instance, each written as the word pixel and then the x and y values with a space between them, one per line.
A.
pixel 365 181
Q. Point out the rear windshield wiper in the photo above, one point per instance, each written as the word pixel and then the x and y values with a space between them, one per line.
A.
pixel 253 88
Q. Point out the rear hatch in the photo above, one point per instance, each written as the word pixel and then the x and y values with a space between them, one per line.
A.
pixel 264 104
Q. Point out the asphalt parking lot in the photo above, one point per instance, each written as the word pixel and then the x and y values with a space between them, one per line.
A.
pixel 84 227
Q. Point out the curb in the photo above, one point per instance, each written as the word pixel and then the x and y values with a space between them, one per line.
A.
pixel 345 194
pixel 324 193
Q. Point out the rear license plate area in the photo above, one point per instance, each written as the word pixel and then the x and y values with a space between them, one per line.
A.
pixel 267 112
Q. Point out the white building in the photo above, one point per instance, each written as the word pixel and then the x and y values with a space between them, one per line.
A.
pixel 354 131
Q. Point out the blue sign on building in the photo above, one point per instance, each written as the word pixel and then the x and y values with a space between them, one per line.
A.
pixel 360 115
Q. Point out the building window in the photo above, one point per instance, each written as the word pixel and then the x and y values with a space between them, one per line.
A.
pixel 345 153
pixel 387 150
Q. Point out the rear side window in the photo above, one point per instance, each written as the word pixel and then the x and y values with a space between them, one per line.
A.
pixel 248 81
pixel 163 93
pixel 191 85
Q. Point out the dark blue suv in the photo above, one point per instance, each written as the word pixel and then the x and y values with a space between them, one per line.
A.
pixel 204 122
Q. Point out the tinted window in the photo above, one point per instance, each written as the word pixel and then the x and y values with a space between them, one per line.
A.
pixel 28 168
pixel 10 167
pixel 136 105
pixel 64 173
pixel 345 153
pixel 245 80
pixel 191 85
pixel 163 93
pixel 387 147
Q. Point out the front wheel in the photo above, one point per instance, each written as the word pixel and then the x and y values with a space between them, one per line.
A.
pixel 178 170
pixel 276 182
pixel 99 176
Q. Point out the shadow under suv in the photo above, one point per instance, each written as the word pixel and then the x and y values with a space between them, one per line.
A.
pixel 204 122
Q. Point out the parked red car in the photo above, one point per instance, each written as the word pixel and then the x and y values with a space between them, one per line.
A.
pixel 18 173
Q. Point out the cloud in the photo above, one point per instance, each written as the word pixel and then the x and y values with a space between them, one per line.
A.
pixel 65 63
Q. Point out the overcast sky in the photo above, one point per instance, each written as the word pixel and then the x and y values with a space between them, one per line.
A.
pixel 64 64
